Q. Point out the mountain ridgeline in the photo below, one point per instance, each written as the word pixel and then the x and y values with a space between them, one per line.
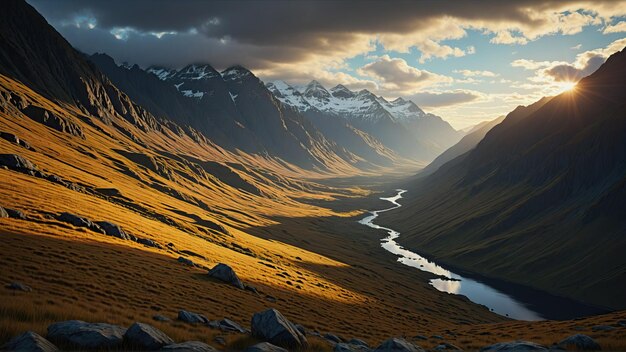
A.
pixel 234 109
pixel 540 199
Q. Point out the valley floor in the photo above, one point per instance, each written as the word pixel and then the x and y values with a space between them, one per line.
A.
pixel 325 272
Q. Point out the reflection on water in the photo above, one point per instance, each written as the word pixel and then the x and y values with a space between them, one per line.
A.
pixel 476 291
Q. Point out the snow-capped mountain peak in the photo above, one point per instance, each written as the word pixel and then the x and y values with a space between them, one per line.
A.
pixel 162 73
pixel 196 72
pixel 288 95
pixel 235 73
pixel 341 91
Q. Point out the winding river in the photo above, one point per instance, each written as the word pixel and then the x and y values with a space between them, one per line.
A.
pixel 512 301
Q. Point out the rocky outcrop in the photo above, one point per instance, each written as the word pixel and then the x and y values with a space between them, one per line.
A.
pixel 15 139
pixel 273 327
pixel 514 346
pixel 194 318
pixel 15 214
pixel 185 261
pixel 225 273
pixel 332 338
pixel 149 243
pixel 189 346
pixel 346 347
pixel 17 163
pixel 79 221
pixel 229 325
pixel 81 335
pixel 3 213
pixel 264 347
pixel 112 229
pixel 398 344
pixel 29 341
pixel 579 342
pixel 52 120
pixel 146 337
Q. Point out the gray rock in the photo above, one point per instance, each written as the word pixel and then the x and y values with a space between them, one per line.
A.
pixel 333 338
pixel 358 342
pixel 160 317
pixel 185 261
pixel 225 273
pixel 18 286
pixel 15 214
pixel 29 341
pixel 189 346
pixel 220 340
pixel 579 342
pixel 189 317
pixel 251 289
pixel 301 329
pixel 271 326
pixel 346 347
pixel 229 325
pixel 81 335
pixel 148 242
pixel 3 213
pixel 447 347
pixel 514 346
pixel 146 337
pixel 265 347
pixel 14 139
pixel 112 229
pixel 398 344
pixel 17 163
pixel 79 221
pixel 420 337
pixel 602 328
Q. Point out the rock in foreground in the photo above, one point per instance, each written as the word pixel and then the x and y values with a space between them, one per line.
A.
pixel 225 273
pixel 398 344
pixel 189 346
pixel 273 327
pixel 146 337
pixel 189 317
pixel 29 341
pixel 265 347
pixel 514 346
pixel 579 342
pixel 81 335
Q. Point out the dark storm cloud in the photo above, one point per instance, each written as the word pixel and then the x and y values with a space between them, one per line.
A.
pixel 262 31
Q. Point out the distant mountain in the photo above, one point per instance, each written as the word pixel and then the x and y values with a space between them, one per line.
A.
pixel 401 125
pixel 232 108
pixel 540 199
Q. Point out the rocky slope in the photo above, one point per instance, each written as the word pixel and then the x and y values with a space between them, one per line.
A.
pixel 540 193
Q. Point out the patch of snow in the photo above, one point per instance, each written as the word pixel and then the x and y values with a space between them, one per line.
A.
pixel 192 94
pixel 232 97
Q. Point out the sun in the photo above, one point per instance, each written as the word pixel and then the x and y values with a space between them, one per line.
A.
pixel 567 86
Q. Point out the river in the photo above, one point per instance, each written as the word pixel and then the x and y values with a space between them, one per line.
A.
pixel 513 301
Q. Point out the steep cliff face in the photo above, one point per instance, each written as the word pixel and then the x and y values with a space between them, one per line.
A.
pixel 543 189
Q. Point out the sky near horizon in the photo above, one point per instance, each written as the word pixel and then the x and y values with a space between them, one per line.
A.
pixel 464 61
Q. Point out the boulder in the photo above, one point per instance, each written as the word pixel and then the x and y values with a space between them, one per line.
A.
pixel 79 221
pixel 358 342
pixel 514 346
pixel 148 242
pixel 189 346
pixel 185 261
pixel 346 347
pixel 15 214
pixel 189 317
pixel 81 335
pixel 160 317
pixel 29 341
pixel 301 329
pixel 17 163
pixel 398 344
pixel 579 342
pixel 333 338
pixel 229 325
pixel 265 347
pixel 271 326
pixel 146 337
pixel 112 229
pixel 225 273
pixel 18 286
pixel 447 347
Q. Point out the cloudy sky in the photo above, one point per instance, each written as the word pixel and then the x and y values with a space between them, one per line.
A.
pixel 465 61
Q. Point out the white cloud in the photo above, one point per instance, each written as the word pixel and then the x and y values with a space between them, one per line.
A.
pixel 616 28
pixel 576 47
pixel 470 73
pixel 505 37
pixel 395 74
